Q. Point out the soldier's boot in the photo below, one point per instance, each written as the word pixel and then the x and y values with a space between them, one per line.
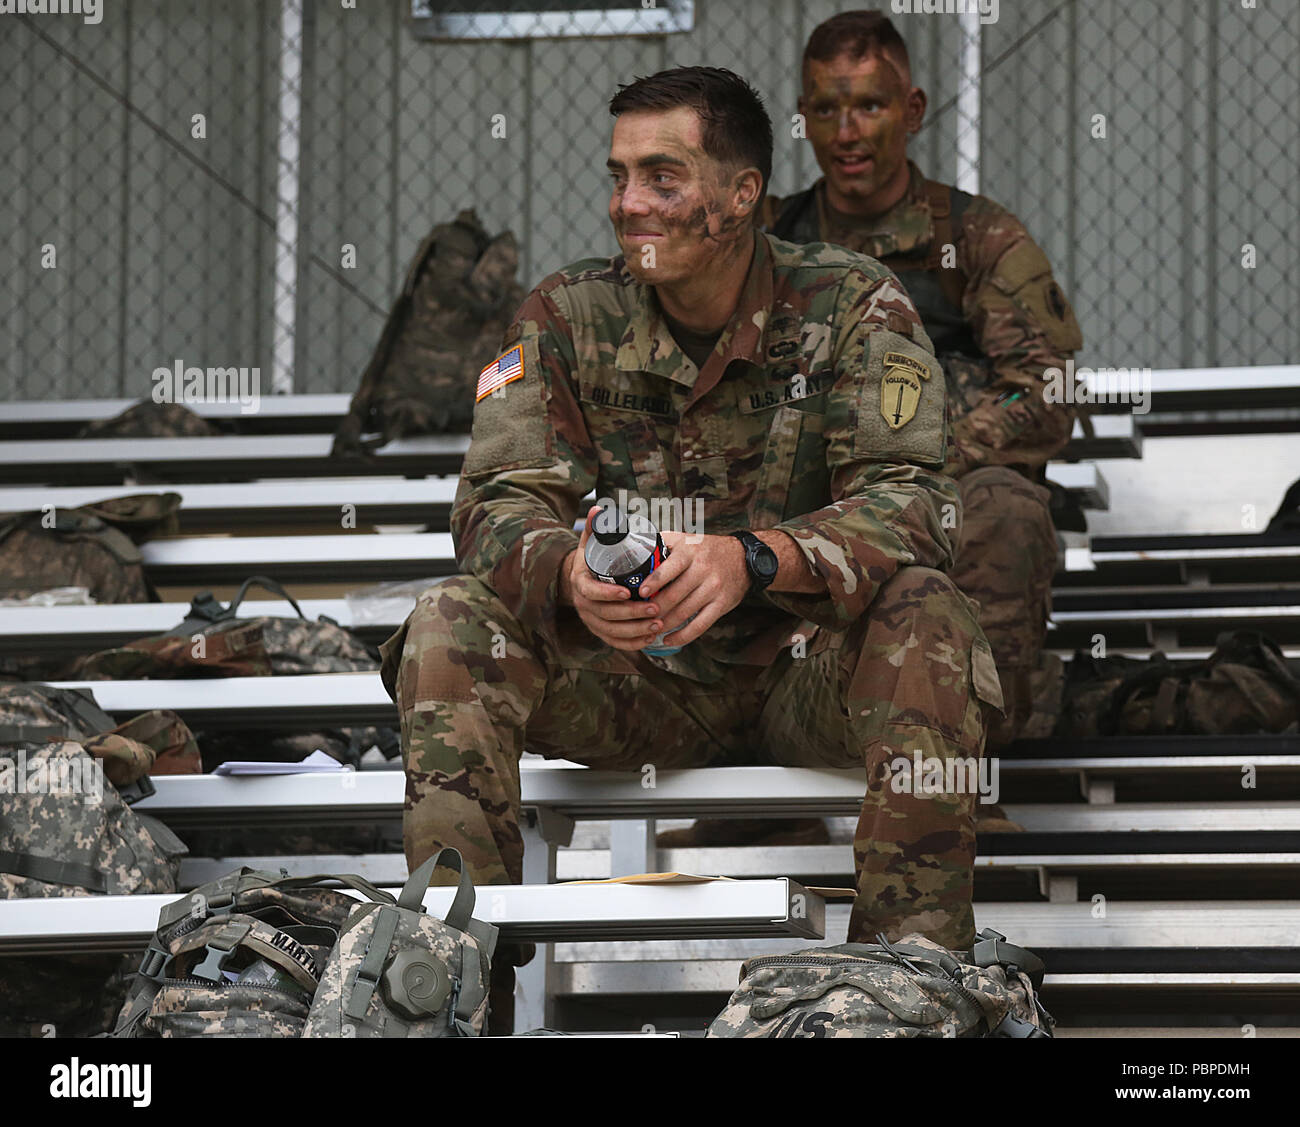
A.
pixel 501 1001
pixel 745 831
pixel 501 988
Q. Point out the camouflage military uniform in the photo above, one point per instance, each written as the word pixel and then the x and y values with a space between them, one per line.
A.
pixel 997 320
pixel 817 415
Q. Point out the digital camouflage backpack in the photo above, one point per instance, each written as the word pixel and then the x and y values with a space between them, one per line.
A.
pixel 211 641
pixel 1245 686
pixel 238 956
pixel 67 778
pixel 397 971
pixel 912 988
pixel 259 955
pixel 455 305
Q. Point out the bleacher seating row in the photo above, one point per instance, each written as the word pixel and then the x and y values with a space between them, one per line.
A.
pixel 1136 822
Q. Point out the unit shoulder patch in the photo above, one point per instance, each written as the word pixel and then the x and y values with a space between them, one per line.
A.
pixel 901 405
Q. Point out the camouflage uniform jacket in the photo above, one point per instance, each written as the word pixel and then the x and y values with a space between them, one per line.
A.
pixel 1001 309
pixel 784 427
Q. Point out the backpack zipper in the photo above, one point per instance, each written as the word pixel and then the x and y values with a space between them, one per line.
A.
pixel 192 980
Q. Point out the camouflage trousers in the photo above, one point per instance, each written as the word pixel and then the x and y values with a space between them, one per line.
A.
pixel 914 675
pixel 1005 562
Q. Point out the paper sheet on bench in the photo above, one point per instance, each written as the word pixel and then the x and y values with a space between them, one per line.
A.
pixel 316 763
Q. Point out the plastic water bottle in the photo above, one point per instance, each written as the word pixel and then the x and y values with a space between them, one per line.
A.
pixel 626 557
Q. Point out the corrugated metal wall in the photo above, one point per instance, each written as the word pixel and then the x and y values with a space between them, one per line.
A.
pixel 165 242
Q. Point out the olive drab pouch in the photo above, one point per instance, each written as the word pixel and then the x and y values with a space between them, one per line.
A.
pixel 397 971
pixel 456 302
pixel 911 988
pixel 239 956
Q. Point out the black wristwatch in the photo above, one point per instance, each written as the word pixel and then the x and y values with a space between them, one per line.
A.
pixel 760 560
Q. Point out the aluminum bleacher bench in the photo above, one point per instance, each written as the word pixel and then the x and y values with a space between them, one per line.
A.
pixel 228 457
pixel 563 793
pixel 525 913
pixel 777 908
pixel 47 418
pixel 1233 947
pixel 281 501
pixel 1113 436
pixel 84 629
pixel 1181 559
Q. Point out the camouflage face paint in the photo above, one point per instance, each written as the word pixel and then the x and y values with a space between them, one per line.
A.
pixel 856 110
pixel 669 202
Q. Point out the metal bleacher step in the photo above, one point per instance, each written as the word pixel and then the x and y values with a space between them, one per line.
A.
pixel 1175 947
pixel 279 502
pixel 96 461
pixel 524 913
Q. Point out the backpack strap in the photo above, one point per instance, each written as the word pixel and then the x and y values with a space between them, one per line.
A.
pixel 52 871
pixel 471 990
pixel 946 208
pixel 992 949
pixel 462 905
pixel 78 702
pixel 372 966
pixel 206 609
pixel 348 880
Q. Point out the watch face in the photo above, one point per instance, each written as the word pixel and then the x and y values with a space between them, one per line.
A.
pixel 765 563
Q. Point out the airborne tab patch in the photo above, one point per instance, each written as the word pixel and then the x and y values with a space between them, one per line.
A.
pixel 900 388
pixel 507 367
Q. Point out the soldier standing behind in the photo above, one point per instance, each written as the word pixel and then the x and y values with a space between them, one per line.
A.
pixel 708 362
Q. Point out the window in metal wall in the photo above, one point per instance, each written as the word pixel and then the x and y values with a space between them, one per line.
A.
pixel 546 19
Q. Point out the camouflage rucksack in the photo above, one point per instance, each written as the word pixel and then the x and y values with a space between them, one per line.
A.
pixel 238 956
pixel 212 642
pixel 457 300
pixel 912 988
pixel 259 955
pixel 157 742
pixel 94 844
pixel 148 419
pixel 397 971
pixel 1245 686
pixel 93 546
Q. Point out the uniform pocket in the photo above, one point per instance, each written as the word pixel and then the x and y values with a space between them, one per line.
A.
pixel 794 478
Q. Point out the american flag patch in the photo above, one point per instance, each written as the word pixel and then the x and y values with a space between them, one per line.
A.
pixel 506 367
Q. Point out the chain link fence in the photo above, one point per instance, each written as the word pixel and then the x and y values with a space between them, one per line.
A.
pixel 243 182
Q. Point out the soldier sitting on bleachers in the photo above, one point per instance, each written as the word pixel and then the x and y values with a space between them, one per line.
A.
pixel 708 361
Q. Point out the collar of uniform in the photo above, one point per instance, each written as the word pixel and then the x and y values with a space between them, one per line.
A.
pixel 906 228
pixel 648 346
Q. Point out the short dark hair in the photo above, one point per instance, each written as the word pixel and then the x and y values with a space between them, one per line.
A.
pixel 856 34
pixel 734 126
